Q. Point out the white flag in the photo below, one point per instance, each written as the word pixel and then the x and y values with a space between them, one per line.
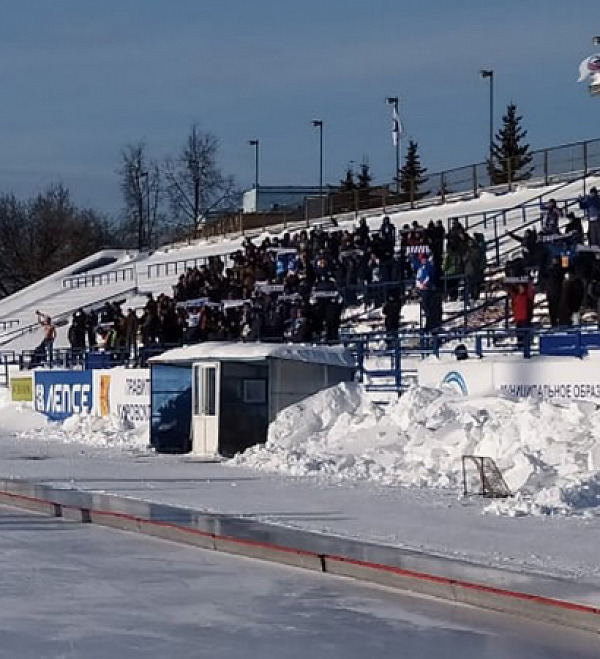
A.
pixel 397 128
pixel 589 66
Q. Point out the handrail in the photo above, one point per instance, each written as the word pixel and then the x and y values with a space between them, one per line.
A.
pixel 63 315
pixel 99 278
pixel 180 266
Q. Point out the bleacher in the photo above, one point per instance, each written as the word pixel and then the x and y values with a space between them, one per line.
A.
pixel 128 276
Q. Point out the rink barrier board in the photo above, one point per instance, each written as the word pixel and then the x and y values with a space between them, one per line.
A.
pixel 55 502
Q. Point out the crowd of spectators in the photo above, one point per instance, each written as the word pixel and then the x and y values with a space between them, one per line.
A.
pixel 560 264
pixel 295 288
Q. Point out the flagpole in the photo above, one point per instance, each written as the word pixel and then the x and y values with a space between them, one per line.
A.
pixel 394 102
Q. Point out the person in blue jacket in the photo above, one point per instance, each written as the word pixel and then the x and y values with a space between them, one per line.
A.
pixel 425 283
pixel 590 203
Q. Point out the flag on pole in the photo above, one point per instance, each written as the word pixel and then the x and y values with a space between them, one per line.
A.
pixel 589 66
pixel 396 125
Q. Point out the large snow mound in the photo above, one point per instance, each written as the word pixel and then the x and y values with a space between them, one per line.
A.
pixel 549 454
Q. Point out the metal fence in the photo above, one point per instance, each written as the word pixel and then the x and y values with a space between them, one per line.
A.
pixel 99 279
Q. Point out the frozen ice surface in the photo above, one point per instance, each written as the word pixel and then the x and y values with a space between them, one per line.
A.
pixel 73 590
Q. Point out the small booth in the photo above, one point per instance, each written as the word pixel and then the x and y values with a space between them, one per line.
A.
pixel 217 399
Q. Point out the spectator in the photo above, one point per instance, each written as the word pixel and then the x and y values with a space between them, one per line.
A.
pixel 591 205
pixel 426 287
pixel 46 347
pixel 521 298
pixel 551 215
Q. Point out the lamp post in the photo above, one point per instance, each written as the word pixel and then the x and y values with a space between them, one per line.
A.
pixel 256 145
pixel 140 202
pixel 489 74
pixel 318 123
pixel 394 102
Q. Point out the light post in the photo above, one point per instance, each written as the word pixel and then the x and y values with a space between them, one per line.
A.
pixel 317 123
pixel 256 145
pixel 140 201
pixel 489 74
pixel 394 102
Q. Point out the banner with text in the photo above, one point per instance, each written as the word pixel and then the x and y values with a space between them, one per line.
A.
pixel 60 394
pixel 125 393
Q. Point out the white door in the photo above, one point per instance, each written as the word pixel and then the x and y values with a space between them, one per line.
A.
pixel 205 409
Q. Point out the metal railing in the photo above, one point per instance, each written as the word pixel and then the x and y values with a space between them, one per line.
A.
pixel 6 325
pixel 174 268
pixel 557 164
pixel 99 279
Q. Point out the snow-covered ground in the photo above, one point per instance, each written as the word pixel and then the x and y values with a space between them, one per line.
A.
pixel 549 454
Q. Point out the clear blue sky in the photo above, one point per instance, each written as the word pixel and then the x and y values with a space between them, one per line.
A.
pixel 83 78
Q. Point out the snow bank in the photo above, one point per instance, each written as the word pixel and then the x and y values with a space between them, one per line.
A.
pixel 16 417
pixel 78 429
pixel 549 454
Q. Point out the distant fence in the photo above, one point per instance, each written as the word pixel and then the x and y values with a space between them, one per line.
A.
pixel 6 325
pixel 99 279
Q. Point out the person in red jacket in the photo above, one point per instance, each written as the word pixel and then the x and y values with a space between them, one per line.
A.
pixel 521 299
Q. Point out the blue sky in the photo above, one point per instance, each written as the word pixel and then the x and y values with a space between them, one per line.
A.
pixel 83 78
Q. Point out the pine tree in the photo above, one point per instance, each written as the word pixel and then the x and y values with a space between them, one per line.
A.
pixel 364 177
pixel 510 156
pixel 412 175
pixel 348 184
pixel 364 182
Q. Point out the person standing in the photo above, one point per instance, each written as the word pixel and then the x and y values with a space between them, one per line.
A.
pixel 591 205
pixel 521 297
pixel 551 215
pixel 425 285
pixel 49 331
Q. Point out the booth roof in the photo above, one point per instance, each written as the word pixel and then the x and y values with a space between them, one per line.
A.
pixel 227 351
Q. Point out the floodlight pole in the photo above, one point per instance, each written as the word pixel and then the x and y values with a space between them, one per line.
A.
pixel 394 102
pixel 489 73
pixel 256 145
pixel 318 123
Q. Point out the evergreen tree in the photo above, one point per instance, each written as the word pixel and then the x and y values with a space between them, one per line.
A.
pixel 510 156
pixel 364 182
pixel 348 184
pixel 364 177
pixel 412 175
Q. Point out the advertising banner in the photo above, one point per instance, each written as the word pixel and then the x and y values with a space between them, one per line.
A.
pixel 21 389
pixel 60 394
pixel 128 395
pixel 544 378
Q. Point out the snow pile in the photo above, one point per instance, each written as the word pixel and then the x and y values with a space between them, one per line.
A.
pixel 109 432
pixel 19 419
pixel 548 454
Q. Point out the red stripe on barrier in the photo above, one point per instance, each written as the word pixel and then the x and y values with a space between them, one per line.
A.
pixel 538 599
pixel 423 576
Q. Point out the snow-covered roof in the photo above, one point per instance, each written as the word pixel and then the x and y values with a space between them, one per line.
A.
pixel 228 351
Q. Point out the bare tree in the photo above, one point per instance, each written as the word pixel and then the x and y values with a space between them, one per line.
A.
pixel 194 184
pixel 141 188
pixel 43 235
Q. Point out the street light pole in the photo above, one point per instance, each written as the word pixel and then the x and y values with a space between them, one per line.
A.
pixel 140 201
pixel 256 145
pixel 317 123
pixel 394 102
pixel 489 73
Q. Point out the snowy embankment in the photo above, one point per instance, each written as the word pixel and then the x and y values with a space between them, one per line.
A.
pixel 79 429
pixel 549 454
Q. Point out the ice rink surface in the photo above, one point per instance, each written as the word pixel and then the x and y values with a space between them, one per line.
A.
pixel 71 590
